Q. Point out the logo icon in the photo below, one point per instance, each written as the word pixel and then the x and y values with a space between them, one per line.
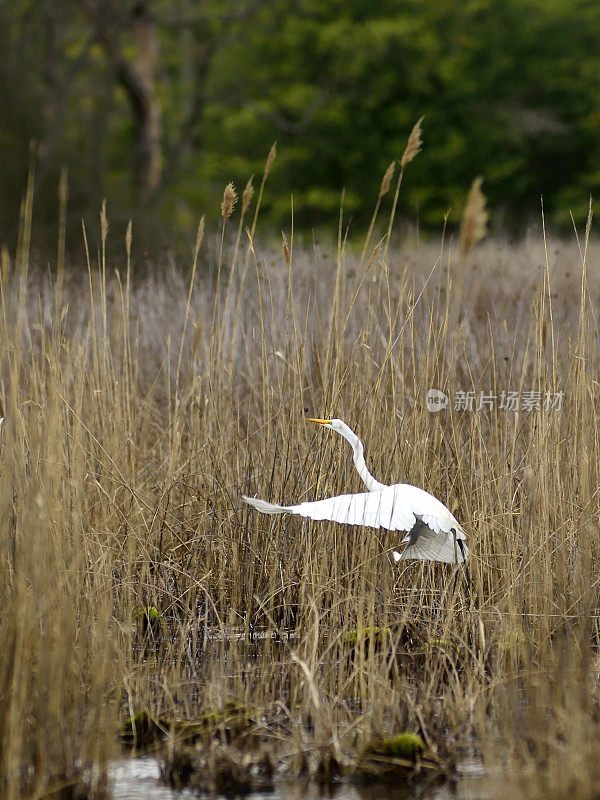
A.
pixel 435 400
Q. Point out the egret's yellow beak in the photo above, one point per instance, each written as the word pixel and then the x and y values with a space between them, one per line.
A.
pixel 320 421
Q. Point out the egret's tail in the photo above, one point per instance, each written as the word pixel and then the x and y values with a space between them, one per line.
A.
pixel 266 508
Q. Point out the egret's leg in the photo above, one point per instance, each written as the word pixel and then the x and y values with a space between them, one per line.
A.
pixel 467 571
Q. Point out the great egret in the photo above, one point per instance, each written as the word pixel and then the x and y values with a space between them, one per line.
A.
pixel 432 533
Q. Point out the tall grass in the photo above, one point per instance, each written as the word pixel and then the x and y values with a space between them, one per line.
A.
pixel 140 408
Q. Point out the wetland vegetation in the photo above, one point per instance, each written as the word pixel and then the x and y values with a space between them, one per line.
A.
pixel 143 604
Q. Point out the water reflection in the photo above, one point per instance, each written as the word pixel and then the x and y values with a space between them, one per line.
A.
pixel 139 779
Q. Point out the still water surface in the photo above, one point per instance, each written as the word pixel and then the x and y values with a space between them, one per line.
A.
pixel 139 779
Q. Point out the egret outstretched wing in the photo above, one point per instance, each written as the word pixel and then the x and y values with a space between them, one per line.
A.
pixel 395 508
pixel 430 528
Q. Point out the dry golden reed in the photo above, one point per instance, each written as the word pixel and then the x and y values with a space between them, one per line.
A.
pixel 268 166
pixel 286 249
pixel 270 159
pixel 475 218
pixel 229 201
pixel 247 196
pixel 412 149
pixel 383 190
pixel 4 263
pixel 387 179
pixel 413 146
pixel 199 236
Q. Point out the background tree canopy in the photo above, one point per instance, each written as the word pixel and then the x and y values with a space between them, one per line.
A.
pixel 156 105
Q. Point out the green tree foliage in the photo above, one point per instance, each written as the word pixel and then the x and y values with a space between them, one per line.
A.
pixel 508 89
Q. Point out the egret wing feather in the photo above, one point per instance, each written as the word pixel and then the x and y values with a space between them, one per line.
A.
pixel 264 506
pixel 434 547
pixel 394 507
pixel 370 509
pixel 398 508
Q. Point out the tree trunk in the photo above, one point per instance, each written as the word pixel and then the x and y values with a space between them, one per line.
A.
pixel 138 80
pixel 148 155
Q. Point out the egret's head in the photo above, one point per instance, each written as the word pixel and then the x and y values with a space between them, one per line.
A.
pixel 329 422
pixel 337 425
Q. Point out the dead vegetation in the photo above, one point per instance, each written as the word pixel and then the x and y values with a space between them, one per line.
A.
pixel 135 585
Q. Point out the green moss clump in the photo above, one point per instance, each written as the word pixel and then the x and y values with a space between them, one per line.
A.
pixel 443 644
pixel 403 745
pixel 150 623
pixel 378 635
pixel 149 614
pixel 233 720
pixel 511 639
pixel 141 729
pixel 232 710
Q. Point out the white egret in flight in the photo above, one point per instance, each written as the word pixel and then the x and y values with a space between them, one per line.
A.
pixel 432 532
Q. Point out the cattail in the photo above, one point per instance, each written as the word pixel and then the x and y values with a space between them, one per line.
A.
pixel 229 201
pixel 103 221
pixel 372 260
pixel 128 237
pixel 413 146
pixel 474 220
pixel 247 196
pixel 270 159
pixel 387 179
pixel 199 236
pixel 4 263
pixel 285 248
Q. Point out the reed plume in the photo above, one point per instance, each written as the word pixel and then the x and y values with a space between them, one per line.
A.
pixel 383 190
pixel 229 201
pixel 475 218
pixel 270 160
pixel 247 195
pixel 286 249
pixel 413 146
pixel 411 151
pixel 387 179
pixel 268 166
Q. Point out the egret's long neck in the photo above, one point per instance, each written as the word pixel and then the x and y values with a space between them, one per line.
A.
pixel 359 462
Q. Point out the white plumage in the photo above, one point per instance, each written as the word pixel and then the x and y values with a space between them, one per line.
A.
pixel 432 532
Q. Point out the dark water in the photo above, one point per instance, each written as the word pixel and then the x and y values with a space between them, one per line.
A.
pixel 138 779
